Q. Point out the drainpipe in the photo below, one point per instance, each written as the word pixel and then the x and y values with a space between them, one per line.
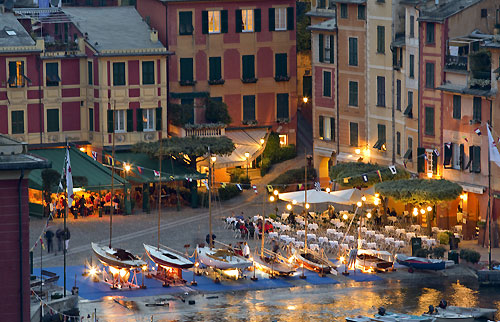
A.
pixel 337 95
pixel 21 284
pixel 168 65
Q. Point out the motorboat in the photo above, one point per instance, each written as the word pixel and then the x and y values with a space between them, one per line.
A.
pixel 221 258
pixel 273 266
pixel 420 262
pixel 372 263
pixel 358 318
pixel 383 316
pixel 165 257
pixel 314 262
pixel 117 257
pixel 443 316
pixel 476 312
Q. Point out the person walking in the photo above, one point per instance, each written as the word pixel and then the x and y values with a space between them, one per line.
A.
pixel 67 236
pixel 60 238
pixel 49 235
pixel 246 250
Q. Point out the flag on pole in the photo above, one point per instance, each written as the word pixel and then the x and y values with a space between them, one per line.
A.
pixel 205 182
pixel 300 186
pixel 365 177
pixel 404 163
pixel 157 173
pixel 69 179
pixel 269 188
pixel 346 180
pixel 239 186
pixel 139 169
pixel 223 184
pixel 465 138
pixel 94 155
pixel 393 169
pixel 317 186
pixel 436 152
pixel 478 131
pixel 494 154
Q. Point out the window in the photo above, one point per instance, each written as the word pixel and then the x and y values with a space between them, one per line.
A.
pixel 283 139
pixel 429 75
pixel 282 107
pixel 429 35
pixel 214 22
pixel 361 12
pixel 325 49
pixel 90 74
pixel 185 23
pixel 452 156
pixel 476 109
pixel 326 128
pixel 215 72
pixel 280 65
pixel 398 95
pixel 52 74
pixel 353 51
pixel 119 121
pixel 409 109
pixel 380 39
pixel 247 20
pixel 148 72
pixel 249 108
pixel 248 62
pixel 380 144
pixel 409 151
pixel 17 122
pixel 429 120
pixel 16 74
pixel 118 74
pixel 381 91
pixel 343 10
pixel 321 4
pixel 475 158
pixel 186 70
pixel 327 84
pixel 353 93
pixel 280 19
pixel 328 52
pixel 91 119
pixel 412 66
pixel 484 13
pixel 353 134
pixel 53 120
pixel 398 143
pixel 412 26
pixel 429 155
pixel 457 107
pixel 148 119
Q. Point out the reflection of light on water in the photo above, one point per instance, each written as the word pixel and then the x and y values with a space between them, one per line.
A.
pixel 291 307
pixel 463 296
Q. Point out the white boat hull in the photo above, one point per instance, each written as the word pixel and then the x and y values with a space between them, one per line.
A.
pixel 212 258
pixel 108 257
pixel 450 317
pixel 164 257
pixel 476 312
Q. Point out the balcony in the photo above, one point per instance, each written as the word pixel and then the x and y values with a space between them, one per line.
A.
pixel 199 130
pixel 456 62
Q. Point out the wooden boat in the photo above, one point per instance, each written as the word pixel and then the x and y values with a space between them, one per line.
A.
pixel 420 262
pixel 221 258
pixel 314 262
pixel 164 257
pixel 371 262
pixel 117 257
pixel 476 312
pixel 272 265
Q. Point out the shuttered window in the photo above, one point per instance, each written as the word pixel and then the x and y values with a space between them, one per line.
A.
pixel 118 74
pixel 343 10
pixel 353 93
pixel 249 108
pixel 248 64
pixel 327 84
pixel 353 134
pixel 412 26
pixel 186 69
pixel 53 120
pixel 361 12
pixel 412 66
pixel 429 34
pixel 429 120
pixel 52 74
pixel 281 65
pixel 457 107
pixel 282 106
pixel 429 75
pixel 353 51
pixel 215 72
pixel 321 126
pixel 17 122
pixel 148 72
pixel 381 91
pixel 16 73
pixel 475 155
pixel 380 39
pixel 185 23
pixel 398 143
pixel 90 72
pixel 91 119
pixel 398 95
pixel 476 109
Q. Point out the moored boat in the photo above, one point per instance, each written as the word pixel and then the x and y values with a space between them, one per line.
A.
pixel 420 262
pixel 383 316
pixel 221 258
pixel 165 257
pixel 272 265
pixel 314 262
pixel 449 317
pixel 370 262
pixel 476 312
pixel 117 257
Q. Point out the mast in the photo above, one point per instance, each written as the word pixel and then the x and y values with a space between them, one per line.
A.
pixel 65 216
pixel 210 199
pixel 159 200
pixel 112 177
pixel 489 201
pixel 263 224
pixel 305 206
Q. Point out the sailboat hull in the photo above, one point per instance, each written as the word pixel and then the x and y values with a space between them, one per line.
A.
pixel 221 259
pixel 117 257
pixel 313 263
pixel 273 266
pixel 165 257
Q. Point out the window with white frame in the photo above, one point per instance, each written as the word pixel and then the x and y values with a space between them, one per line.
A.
pixel 247 19
pixel 283 139
pixel 327 48
pixel 120 121
pixel 280 19
pixel 214 22
pixel 148 119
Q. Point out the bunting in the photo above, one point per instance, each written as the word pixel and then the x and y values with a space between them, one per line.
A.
pixel 379 175
pixel 269 188
pixel 393 170
pixel 157 173
pixel 94 155
pixel 254 188
pixel 239 186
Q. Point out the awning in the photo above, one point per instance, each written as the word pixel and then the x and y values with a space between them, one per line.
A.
pixel 142 168
pixel 313 196
pixel 96 174
pixel 245 140
pixel 473 188
pixel 348 157
pixel 352 196
pixel 409 111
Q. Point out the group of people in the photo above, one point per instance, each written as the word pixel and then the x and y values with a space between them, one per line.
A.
pixel 62 236
pixel 83 205
pixel 250 229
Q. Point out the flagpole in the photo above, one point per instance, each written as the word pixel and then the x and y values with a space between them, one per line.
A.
pixel 112 177
pixel 489 195
pixel 65 216
pixel 159 199
pixel 305 206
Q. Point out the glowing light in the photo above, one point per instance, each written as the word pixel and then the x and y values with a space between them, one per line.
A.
pixel 376 202
pixel 294 202
pixel 305 99
pixel 92 271
pixel 290 260
pixel 232 273
pixel 247 155
pixel 369 215
pixel 114 270
pixel 291 307
pixel 123 272
pixel 377 195
pixel 145 268
pixel 463 197
pixel 327 190
pixel 359 204
pixel 429 174
pixel 127 167
pixel 422 211
pixel 345 217
pixel 363 198
pixel 429 208
pixel 196 264
pixel 342 259
pixel 276 192
pixel 307 206
pixel 262 141
pixel 358 151
pixel 271 198
pixel 415 212
pixel 289 207
pixel 82 149
pixel 213 158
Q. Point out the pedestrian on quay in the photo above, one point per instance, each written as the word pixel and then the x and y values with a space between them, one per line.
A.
pixel 60 238
pixel 67 236
pixel 49 235
pixel 246 250
pixel 208 239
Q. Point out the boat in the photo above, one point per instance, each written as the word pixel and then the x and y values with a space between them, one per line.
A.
pixel 314 262
pixel 420 262
pixel 443 316
pixel 372 263
pixel 383 316
pixel 165 257
pixel 273 266
pixel 358 318
pixel 117 257
pixel 476 312
pixel 221 258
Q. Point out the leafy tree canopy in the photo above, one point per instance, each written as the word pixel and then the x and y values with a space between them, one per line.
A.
pixel 303 21
pixel 216 112
pixel 420 191
pixel 180 115
pixel 354 171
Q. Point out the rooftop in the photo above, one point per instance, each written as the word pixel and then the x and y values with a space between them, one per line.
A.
pixel 327 25
pixel 14 156
pixel 125 29
pixel 461 89
pixel 429 11
pixel 323 13
pixel 12 33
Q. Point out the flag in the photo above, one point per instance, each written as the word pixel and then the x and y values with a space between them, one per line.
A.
pixel 110 160
pixel 393 169
pixel 436 152
pixel 317 186
pixel 365 177
pixel 223 184
pixel 478 131
pixel 139 169
pixel 239 186
pixel 205 182
pixel 379 175
pixel 465 138
pixel 346 180
pixel 254 188
pixel 69 179
pixel 404 163
pixel 494 154
pixel 94 155
pixel 448 145
pixel 269 188
pixel 300 186
pixel 157 173
pixel 41 243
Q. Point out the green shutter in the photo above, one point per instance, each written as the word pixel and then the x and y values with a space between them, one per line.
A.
pixel 186 69
pixel 118 74
pixel 321 125
pixel 420 160
pixel 282 106
pixel 90 71
pixel 130 120
pixel 272 23
pixel 332 128
pixel 476 159
pixel 257 19
pixel 320 47
pixel 380 39
pixel 17 122
pixel 91 119
pixel 412 66
pixel 138 116
pixel 353 134
pixel 214 68
pixel 223 21
pixel 429 120
pixel 457 107
pixel 353 93
pixel 53 120
pixel 185 23
pixel 290 18
pixel 248 66
pixel 158 119
pixel 327 84
pixel 249 108
pixel 281 65
pixel 148 72
pixel 238 20
pixel 434 162
pixel 204 22
pixel 476 109
pixel 353 51
pixel 332 56
pixel 111 127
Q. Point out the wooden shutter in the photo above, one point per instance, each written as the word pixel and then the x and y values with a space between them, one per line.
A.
pixel 282 106
pixel 447 154
pixel 238 20
pixel 272 22
pixel 457 107
pixel 223 21
pixel 158 119
pixel 257 20
pixel 332 56
pixel 290 18
pixel 248 66
pixel 204 22
pixel 420 160
pixel 476 159
pixel 320 47
pixel 111 127
pixel 327 84
pixel 321 125
pixel 476 109
pixel 434 162
pixel 214 68
pixel 281 65
pixel 249 108
pixel 186 69
pixel 381 39
pixel 332 128
pixel 130 120
pixel 353 134
pixel 462 157
pixel 138 116
pixel 91 119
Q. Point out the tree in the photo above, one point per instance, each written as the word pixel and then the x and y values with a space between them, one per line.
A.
pixel 180 115
pixel 216 112
pixel 303 21
pixel 50 180
pixel 353 172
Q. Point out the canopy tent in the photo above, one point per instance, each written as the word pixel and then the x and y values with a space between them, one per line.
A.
pixel 97 175
pixel 245 140
pixel 313 196
pixel 352 196
pixel 170 169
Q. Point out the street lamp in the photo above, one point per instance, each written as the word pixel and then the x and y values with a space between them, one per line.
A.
pixel 327 190
pixel 262 141
pixel 275 192
pixel 294 202
pixel 369 215
pixel 271 198
pixel 289 207
pixel 359 204
pixel 127 167
pixel 358 151
pixel 422 211
pixel 429 208
pixel 305 99
pixel 247 156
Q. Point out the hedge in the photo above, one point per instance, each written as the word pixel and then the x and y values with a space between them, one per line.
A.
pixel 419 191
pixel 295 176
pixel 353 171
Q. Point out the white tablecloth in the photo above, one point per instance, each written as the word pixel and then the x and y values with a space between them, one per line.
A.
pixel 415 227
pixel 333 243
pixel 314 246
pixel 311 236
pixel 371 245
pixel 392 218
pixel 272 235
pixel 330 231
pixel 301 233
pixel 379 236
pixel 389 228
pixel 322 240
pixel 410 235
pixel 370 233
pixel 312 226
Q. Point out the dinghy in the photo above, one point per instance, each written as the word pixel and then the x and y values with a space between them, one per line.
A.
pixel 420 262
pixel 117 257
pixel 314 262
pixel 165 257
pixel 273 266
pixel 221 258
pixel 372 263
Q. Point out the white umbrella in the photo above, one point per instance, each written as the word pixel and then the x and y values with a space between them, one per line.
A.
pixel 351 196
pixel 313 196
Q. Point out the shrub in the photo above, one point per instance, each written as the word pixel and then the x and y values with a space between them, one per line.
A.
pixel 438 252
pixel 235 174
pixel 286 153
pixel 294 176
pixel 422 252
pixel 470 255
pixel 228 192
pixel 273 216
pixel 216 112
pixel 444 238
pixel 464 253
pixel 265 166
pixel 275 152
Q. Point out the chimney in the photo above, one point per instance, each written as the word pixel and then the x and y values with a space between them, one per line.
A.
pixel 154 35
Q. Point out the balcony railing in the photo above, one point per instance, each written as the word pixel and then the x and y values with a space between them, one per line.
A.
pixel 456 62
